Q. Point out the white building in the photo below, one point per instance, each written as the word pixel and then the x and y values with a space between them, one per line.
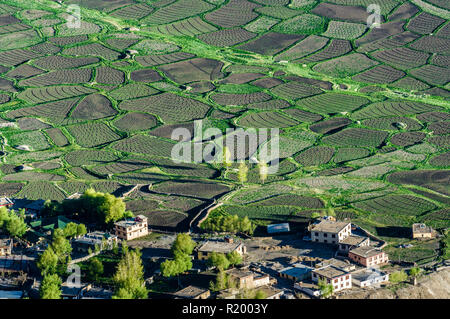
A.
pixel 131 228
pixel 339 278
pixel 330 232
pixel 370 277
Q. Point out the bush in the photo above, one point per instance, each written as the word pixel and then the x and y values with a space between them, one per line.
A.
pixel 229 223
pixel 398 276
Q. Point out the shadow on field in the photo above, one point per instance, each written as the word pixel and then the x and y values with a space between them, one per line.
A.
pixel 394 231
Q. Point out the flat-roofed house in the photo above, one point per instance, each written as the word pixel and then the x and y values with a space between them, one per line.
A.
pixel 131 228
pixel 248 279
pixel 369 277
pixel 353 241
pixel 339 278
pixel 213 246
pixel 92 240
pixel 6 246
pixel 296 272
pixel 422 231
pixel 330 232
pixel 368 256
pixel 345 265
pixel 192 292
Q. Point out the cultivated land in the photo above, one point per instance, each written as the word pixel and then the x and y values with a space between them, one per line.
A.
pixel 363 113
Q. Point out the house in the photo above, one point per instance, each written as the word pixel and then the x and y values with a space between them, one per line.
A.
pixel 339 278
pixel 92 240
pixel 296 272
pixel 131 228
pixel 369 278
pixel 271 292
pixel 6 246
pixel 248 279
pixel 6 202
pixel 45 226
pixel 278 228
pixel 422 231
pixel 214 246
pixel 345 265
pixel 192 292
pixel 330 232
pixel 368 256
pixel 33 209
pixel 69 292
pixel 353 241
pixel 309 287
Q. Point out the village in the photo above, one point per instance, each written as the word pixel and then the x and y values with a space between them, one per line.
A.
pixel 328 260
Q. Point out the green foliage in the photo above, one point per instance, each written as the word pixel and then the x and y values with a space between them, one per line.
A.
pixel 260 294
pixel 415 271
pixel 398 276
pixel 95 269
pixel 242 173
pixel 12 223
pixel 182 249
pixel 219 260
pixel 129 277
pixel 234 258
pixel 229 223
pixel 325 289
pixel 183 244
pixel 223 281
pixel 47 262
pixel 50 287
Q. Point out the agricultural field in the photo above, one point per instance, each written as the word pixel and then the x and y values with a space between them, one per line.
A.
pixel 362 113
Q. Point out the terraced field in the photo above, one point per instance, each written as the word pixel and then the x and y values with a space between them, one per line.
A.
pixel 363 113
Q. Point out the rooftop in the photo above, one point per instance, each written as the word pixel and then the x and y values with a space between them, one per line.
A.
pixel 190 292
pixel 5 242
pixel 330 272
pixel 367 274
pixel 278 228
pixel 329 226
pixel 421 228
pixel 366 251
pixel 218 246
pixel 353 240
pixel 239 273
pixel 297 271
pixel 131 221
pixel 342 264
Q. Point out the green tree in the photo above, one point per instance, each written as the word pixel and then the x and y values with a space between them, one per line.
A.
pixel 81 230
pixel 218 260
pixel 176 266
pixel 4 216
pixel 398 276
pixel 226 157
pixel 184 244
pixel 50 287
pixel 70 230
pixel 326 289
pixel 242 173
pixel 47 262
pixel 223 281
pixel 234 258
pixel 260 294
pixel 415 271
pixel 263 170
pixel 62 248
pixel 94 269
pixel 129 277
pixel 16 226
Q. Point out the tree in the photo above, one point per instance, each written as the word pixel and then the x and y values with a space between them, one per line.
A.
pixel 70 230
pixel 81 230
pixel 95 269
pixel 234 258
pixel 47 262
pixel 263 170
pixel 226 157
pixel 260 294
pixel 242 173
pixel 62 248
pixel 184 244
pixel 4 216
pixel 398 276
pixel 223 281
pixel 326 290
pixel 129 277
pixel 218 260
pixel 50 287
pixel 16 225
pixel 415 271
pixel 315 215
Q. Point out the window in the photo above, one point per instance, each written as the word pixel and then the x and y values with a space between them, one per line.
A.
pixel 325 235
pixel 333 236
